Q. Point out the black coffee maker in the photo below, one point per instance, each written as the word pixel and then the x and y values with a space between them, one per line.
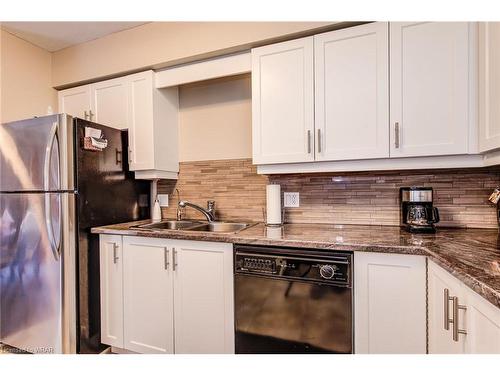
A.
pixel 418 215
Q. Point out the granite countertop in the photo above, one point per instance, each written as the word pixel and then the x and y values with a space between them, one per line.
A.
pixel 471 255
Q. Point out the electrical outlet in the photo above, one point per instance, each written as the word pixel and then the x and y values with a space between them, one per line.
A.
pixel 291 199
pixel 163 200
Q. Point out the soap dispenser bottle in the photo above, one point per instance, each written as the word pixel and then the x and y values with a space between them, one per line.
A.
pixel 156 211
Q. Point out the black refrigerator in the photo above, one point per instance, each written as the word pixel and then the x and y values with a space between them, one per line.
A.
pixel 55 185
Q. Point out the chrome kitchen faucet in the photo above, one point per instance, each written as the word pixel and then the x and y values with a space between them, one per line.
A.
pixel 209 213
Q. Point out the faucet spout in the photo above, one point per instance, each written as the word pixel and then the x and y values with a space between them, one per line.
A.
pixel 209 213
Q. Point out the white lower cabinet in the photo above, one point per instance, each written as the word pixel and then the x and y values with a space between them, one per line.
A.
pixel 111 270
pixel 440 338
pixel 203 297
pixel 148 312
pixel 389 303
pixel 483 325
pixel 452 302
pixel 176 296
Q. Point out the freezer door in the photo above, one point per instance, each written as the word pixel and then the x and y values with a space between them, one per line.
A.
pixel 37 154
pixel 35 250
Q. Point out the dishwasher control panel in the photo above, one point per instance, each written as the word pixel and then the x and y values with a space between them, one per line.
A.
pixel 258 264
pixel 333 269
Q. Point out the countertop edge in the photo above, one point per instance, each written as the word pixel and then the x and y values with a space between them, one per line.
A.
pixel 485 291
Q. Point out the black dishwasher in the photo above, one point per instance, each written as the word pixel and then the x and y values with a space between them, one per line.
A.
pixel 290 300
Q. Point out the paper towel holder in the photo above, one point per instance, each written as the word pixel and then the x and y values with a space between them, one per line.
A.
pixel 264 216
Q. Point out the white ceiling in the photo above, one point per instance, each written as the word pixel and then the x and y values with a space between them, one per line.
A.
pixel 53 36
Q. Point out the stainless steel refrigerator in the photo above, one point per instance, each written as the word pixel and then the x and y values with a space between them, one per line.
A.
pixel 53 189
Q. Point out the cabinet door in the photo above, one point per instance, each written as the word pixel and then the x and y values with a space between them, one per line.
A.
pixel 429 106
pixel 352 93
pixel 109 103
pixel 111 270
pixel 441 339
pixel 148 295
pixel 140 121
pixel 204 302
pixel 390 303
pixel 283 102
pixel 489 86
pixel 482 325
pixel 75 101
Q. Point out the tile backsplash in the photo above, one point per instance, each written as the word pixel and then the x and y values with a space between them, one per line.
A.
pixel 336 198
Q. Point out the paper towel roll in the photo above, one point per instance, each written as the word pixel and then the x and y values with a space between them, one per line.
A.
pixel 273 202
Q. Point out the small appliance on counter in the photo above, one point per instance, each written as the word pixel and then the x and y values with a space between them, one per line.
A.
pixel 418 215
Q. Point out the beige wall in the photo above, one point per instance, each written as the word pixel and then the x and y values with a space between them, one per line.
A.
pixel 215 119
pixel 161 44
pixel 25 79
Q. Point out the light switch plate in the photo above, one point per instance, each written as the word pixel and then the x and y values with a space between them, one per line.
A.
pixel 291 200
pixel 163 200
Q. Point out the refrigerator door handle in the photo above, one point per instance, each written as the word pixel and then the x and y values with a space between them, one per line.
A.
pixel 46 184
pixel 50 231
pixel 48 157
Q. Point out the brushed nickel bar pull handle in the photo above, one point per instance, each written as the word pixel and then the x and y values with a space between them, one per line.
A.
pixel 118 157
pixel 456 330
pixel 396 135
pixel 130 156
pixel 174 258
pixel 115 256
pixel 90 114
pixel 165 254
pixel 308 141
pixel 86 115
pixel 446 305
pixel 319 140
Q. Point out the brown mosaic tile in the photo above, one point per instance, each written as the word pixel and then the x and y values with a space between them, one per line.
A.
pixel 334 198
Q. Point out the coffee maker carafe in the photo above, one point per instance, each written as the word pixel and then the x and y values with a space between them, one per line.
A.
pixel 418 215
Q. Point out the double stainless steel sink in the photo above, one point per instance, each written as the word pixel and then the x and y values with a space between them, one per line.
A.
pixel 199 226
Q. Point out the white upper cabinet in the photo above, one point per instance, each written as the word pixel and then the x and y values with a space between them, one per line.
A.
pixel 489 86
pixel 283 102
pixel 109 103
pixel 153 127
pixel 381 91
pixel 76 101
pixel 352 93
pixel 430 93
pixel 132 102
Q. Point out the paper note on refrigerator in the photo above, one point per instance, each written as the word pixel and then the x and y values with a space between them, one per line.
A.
pixel 92 132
